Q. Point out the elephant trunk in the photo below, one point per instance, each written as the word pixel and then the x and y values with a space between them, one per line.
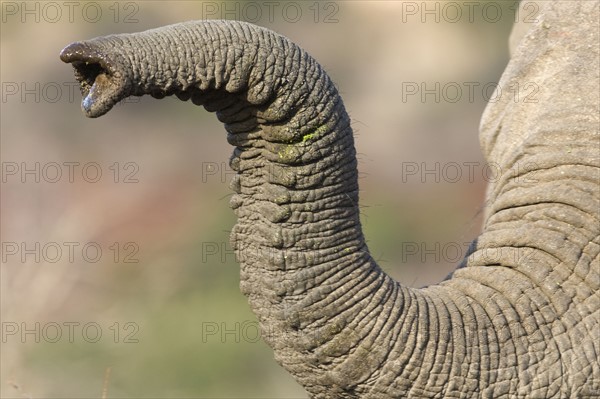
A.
pixel 341 326
pixel 305 267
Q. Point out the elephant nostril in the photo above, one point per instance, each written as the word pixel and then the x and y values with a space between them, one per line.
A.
pixel 102 78
pixel 86 73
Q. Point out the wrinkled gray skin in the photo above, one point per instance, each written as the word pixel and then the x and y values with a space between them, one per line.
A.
pixel 521 319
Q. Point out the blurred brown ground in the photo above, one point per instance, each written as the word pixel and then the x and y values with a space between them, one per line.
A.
pixel 175 219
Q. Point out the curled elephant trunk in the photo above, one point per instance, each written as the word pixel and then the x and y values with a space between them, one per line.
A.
pixel 305 267
pixel 336 321
pixel 103 79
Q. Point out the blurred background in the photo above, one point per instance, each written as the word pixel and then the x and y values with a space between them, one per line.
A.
pixel 117 277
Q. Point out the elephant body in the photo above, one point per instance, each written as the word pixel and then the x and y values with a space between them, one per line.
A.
pixel 522 319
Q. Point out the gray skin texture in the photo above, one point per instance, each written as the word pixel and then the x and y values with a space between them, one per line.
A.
pixel 521 317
